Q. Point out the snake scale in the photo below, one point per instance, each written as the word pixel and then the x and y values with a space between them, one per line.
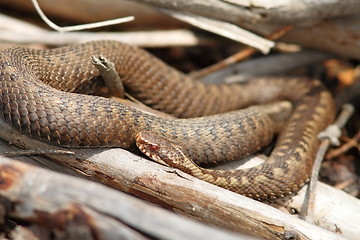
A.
pixel 43 96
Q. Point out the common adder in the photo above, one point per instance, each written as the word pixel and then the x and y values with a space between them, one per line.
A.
pixel 42 96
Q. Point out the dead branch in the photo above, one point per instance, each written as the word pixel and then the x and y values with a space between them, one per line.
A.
pixel 88 210
pixel 274 64
pixel 225 29
pixel 284 12
pixel 178 191
pixel 337 35
pixel 17 31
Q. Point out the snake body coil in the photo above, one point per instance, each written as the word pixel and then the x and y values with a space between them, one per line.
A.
pixel 39 97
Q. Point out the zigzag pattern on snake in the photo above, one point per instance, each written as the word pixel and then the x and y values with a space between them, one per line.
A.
pixel 42 97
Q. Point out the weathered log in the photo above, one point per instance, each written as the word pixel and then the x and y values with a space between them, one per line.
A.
pixel 180 192
pixel 82 209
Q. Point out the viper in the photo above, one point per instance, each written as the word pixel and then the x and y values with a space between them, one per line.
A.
pixel 43 95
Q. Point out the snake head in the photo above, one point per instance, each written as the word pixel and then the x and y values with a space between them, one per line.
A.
pixel 157 147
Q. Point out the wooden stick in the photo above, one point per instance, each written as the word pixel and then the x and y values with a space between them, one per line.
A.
pixel 237 57
pixel 225 29
pixel 328 137
pixel 88 210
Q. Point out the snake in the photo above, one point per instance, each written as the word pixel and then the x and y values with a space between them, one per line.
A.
pixel 49 95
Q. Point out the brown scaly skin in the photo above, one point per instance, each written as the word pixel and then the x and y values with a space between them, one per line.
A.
pixel 75 120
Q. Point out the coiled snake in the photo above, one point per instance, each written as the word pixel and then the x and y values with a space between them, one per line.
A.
pixel 40 98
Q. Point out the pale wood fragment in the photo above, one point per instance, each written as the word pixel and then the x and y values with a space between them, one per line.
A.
pixel 16 31
pixel 298 12
pixel 82 209
pixel 335 210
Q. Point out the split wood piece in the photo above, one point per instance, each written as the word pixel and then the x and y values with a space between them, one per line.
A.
pixel 334 210
pixel 225 29
pixel 337 36
pixel 300 12
pixel 88 210
pixel 180 192
pixel 311 29
pixel 20 32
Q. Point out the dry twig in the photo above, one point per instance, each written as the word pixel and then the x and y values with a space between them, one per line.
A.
pixel 237 57
pixel 329 137
pixel 78 27
pixel 353 142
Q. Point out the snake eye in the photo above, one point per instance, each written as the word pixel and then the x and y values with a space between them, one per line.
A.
pixel 154 148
